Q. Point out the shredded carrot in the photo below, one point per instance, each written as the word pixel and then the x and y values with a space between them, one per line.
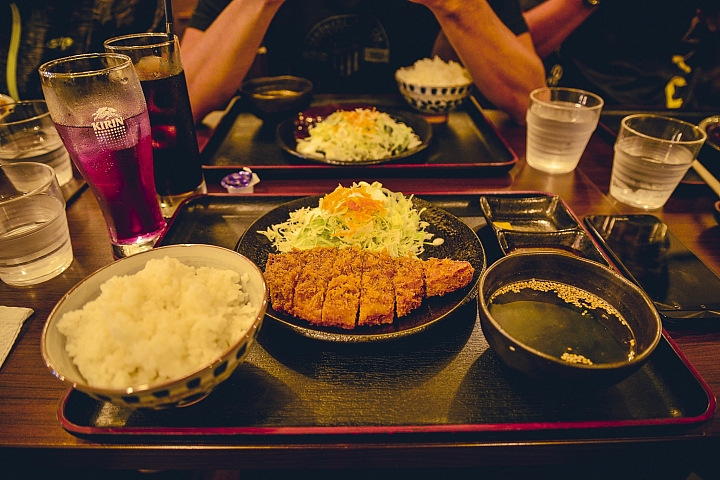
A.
pixel 357 206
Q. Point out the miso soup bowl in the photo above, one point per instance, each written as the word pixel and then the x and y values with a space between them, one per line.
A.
pixel 273 99
pixel 631 302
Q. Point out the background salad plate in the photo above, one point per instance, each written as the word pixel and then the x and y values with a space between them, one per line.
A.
pixel 291 130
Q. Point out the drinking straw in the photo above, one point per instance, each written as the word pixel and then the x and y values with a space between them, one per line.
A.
pixel 169 27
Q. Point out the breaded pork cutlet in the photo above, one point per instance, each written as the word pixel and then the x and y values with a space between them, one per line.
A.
pixel 348 287
pixel 342 298
pixel 377 295
pixel 312 284
pixel 281 275
pixel 409 283
pixel 445 275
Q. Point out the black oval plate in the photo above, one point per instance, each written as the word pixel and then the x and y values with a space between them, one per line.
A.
pixel 289 131
pixel 461 243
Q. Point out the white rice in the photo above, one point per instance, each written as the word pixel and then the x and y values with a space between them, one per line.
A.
pixel 435 72
pixel 158 324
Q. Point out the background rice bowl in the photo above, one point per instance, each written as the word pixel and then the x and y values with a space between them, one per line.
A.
pixel 433 86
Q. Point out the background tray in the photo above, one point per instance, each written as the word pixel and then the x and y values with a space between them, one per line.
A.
pixel 468 141
pixel 610 118
pixel 610 126
pixel 443 380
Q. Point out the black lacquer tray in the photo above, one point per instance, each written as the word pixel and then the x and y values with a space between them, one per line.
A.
pixel 467 142
pixel 443 380
pixel 610 118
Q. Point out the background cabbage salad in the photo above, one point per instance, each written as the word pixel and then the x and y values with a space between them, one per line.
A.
pixel 360 134
pixel 364 215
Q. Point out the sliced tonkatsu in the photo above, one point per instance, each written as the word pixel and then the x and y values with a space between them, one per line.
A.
pixel 312 284
pixel 377 294
pixel 409 283
pixel 281 274
pixel 349 287
pixel 445 275
pixel 342 298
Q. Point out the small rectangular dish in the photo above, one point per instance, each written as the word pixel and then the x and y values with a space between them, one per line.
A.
pixel 527 213
pixel 538 221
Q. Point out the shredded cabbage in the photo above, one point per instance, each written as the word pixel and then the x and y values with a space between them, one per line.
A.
pixel 365 215
pixel 360 134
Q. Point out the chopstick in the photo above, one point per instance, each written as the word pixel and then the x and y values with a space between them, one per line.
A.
pixel 708 177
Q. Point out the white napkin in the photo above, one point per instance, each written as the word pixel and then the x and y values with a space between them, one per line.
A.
pixel 11 321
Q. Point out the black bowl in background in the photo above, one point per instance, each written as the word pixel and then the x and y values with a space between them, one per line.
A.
pixel 629 300
pixel 711 126
pixel 273 99
pixel 709 155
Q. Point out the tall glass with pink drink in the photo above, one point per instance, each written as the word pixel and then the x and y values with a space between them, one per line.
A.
pixel 98 107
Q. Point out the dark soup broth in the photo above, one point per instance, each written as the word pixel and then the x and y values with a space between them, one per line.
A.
pixel 563 321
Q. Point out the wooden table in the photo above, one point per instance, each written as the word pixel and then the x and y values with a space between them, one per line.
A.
pixel 29 394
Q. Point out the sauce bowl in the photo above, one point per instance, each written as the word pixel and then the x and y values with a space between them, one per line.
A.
pixel 567 320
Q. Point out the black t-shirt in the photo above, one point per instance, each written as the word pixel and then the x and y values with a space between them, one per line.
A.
pixel 350 46
pixel 632 53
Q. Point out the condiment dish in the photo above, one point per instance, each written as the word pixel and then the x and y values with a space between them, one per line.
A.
pixel 562 319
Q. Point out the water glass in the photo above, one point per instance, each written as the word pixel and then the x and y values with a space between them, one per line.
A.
pixel 99 110
pixel 652 154
pixel 27 134
pixel 34 237
pixel 178 169
pixel 560 122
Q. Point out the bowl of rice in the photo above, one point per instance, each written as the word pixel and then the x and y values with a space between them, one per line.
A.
pixel 158 329
pixel 433 86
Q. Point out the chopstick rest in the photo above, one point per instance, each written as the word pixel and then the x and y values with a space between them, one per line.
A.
pixel 11 321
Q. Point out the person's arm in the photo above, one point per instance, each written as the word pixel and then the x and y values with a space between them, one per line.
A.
pixel 503 66
pixel 552 21
pixel 216 60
